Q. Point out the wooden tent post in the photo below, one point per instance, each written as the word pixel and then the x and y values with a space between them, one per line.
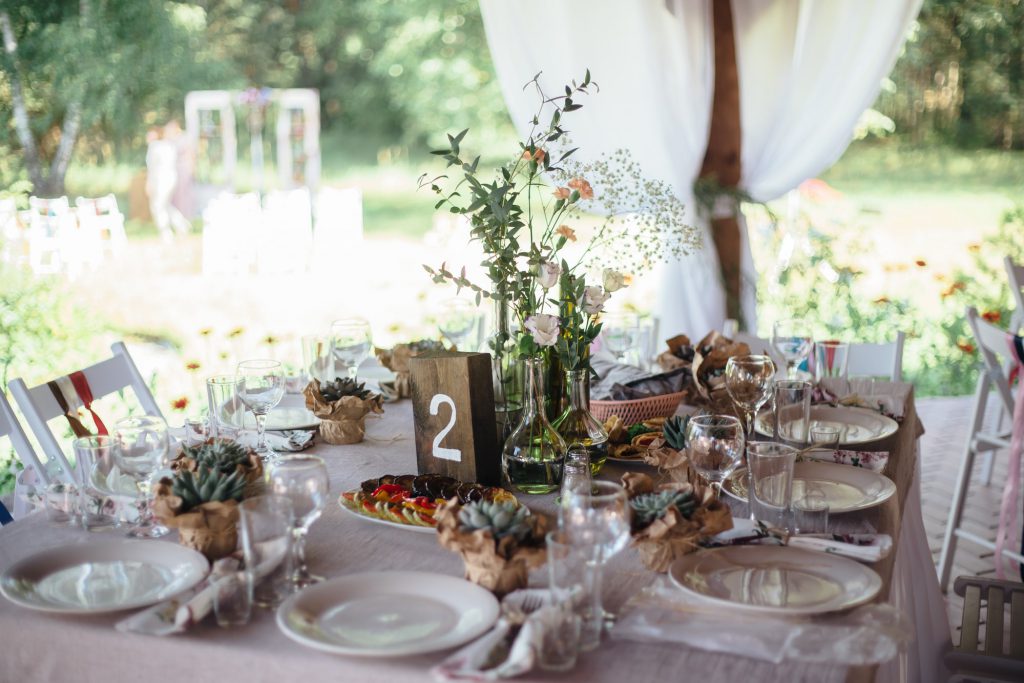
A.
pixel 722 157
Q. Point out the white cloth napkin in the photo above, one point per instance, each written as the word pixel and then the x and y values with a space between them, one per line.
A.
pixel 860 547
pixel 869 460
pixel 862 393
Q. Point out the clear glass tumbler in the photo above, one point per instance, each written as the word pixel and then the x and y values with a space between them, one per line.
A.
pixel 266 538
pixel 227 411
pixel 770 490
pixel 792 416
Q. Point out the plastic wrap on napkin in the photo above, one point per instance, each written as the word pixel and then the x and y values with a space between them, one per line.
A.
pixel 870 634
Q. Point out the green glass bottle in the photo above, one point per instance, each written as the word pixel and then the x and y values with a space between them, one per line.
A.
pixel 577 426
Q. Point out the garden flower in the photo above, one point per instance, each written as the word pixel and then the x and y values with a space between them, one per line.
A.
pixel 562 193
pixel 593 300
pixel 548 274
pixel 966 347
pixel 920 263
pixel 537 156
pixel 206 332
pixel 992 316
pixel 613 280
pixel 192 366
pixel 566 232
pixel 583 187
pixel 270 340
pixel 180 403
pixel 543 328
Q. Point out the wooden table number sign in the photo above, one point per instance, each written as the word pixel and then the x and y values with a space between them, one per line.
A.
pixel 453 411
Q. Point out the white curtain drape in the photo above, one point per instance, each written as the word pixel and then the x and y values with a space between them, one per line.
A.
pixel 654 63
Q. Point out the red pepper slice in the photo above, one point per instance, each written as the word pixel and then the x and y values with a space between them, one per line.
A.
pixel 390 489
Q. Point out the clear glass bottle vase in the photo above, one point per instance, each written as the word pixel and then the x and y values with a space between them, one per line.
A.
pixel 532 458
pixel 506 371
pixel 577 426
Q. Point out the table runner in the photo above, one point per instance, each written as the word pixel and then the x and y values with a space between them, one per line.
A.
pixel 40 647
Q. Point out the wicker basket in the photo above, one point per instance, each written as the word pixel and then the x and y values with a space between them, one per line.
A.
pixel 639 409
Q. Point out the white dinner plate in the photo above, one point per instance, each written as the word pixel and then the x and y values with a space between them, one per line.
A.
pixel 856 425
pixel 290 413
pixel 775 580
pixel 846 488
pixel 388 614
pixel 378 520
pixel 102 576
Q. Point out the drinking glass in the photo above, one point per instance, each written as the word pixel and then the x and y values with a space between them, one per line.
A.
pixel 304 480
pixel 810 511
pixel 770 489
pixel 316 357
pixel 620 332
pixel 140 450
pixel 232 599
pixel 261 387
pixel 60 499
pixel 715 447
pixel 266 536
pixel 793 340
pixel 831 359
pixel 351 343
pixel 748 379
pixel 792 416
pixel 824 435
pixel 96 508
pixel 569 576
pixel 575 470
pixel 226 407
pixel 197 430
pixel 597 521
pixel 459 321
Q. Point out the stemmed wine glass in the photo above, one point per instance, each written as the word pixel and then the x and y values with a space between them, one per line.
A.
pixel 715 447
pixel 261 387
pixel 459 322
pixel 597 520
pixel 140 450
pixel 748 379
pixel 620 332
pixel 303 479
pixel 793 341
pixel 351 342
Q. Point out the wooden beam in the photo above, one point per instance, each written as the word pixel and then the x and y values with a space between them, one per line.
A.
pixel 722 157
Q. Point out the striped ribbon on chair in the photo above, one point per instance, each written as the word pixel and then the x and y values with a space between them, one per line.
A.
pixel 81 384
pixel 72 392
pixel 1011 490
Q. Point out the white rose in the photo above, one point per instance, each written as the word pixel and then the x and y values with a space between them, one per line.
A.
pixel 544 328
pixel 593 300
pixel 548 274
pixel 613 280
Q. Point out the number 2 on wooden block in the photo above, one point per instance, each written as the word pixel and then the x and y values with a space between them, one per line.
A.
pixel 439 451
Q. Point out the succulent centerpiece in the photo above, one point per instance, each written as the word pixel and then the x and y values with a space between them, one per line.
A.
pixel 342 405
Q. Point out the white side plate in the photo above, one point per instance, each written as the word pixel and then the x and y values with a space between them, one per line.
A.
pixel 856 425
pixel 387 614
pixel 102 576
pixel 846 488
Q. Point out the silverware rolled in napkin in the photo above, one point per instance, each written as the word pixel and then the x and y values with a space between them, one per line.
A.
pixel 860 547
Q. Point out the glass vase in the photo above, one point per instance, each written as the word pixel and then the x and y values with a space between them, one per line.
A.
pixel 554 385
pixel 532 458
pixel 506 371
pixel 577 426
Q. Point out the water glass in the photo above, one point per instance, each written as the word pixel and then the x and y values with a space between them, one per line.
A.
pixel 96 509
pixel 232 599
pixel 197 430
pixel 715 446
pixel 226 408
pixel 770 489
pixel 620 333
pixel 570 578
pixel 831 359
pixel 61 502
pixel 748 379
pixel 810 511
pixel 561 641
pixel 317 360
pixel 792 339
pixel 575 470
pixel 265 531
pixel 261 388
pixel 140 450
pixel 792 416
pixel 825 435
pixel 460 322
pixel 351 343
pixel 304 480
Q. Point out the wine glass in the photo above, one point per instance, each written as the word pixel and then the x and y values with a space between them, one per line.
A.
pixel 459 322
pixel 715 447
pixel 597 520
pixel 261 387
pixel 748 379
pixel 351 342
pixel 303 479
pixel 793 341
pixel 620 332
pixel 140 450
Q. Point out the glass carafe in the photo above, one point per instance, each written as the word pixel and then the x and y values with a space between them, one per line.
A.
pixel 531 460
pixel 577 426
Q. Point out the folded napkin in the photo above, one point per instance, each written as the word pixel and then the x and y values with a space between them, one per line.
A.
pixel 290 441
pixel 510 648
pixel 860 547
pixel 869 460
pixel 611 373
pixel 870 634
pixel 183 611
pixel 859 393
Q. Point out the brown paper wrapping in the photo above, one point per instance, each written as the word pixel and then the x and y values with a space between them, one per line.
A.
pixel 252 469
pixel 397 361
pixel 664 540
pixel 500 567
pixel 342 421
pixel 211 528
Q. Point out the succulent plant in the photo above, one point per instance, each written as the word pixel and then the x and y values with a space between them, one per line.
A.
pixel 674 431
pixel 501 519
pixel 424 345
pixel 649 507
pixel 207 486
pixel 341 387
pixel 218 454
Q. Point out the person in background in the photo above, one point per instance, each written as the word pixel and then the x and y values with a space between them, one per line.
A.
pixel 161 179
pixel 182 198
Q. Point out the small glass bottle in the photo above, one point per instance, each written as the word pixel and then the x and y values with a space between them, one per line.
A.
pixel 531 460
pixel 577 425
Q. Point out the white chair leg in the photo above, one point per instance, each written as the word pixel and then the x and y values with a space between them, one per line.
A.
pixel 987 464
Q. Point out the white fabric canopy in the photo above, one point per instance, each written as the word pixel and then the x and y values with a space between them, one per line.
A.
pixel 807 70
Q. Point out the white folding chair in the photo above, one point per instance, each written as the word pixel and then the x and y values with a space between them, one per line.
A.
pixel 39 406
pixel 877 360
pixel 51 234
pixel 286 241
pixel 991 343
pixel 102 220
pixel 11 234
pixel 231 224
pixel 11 428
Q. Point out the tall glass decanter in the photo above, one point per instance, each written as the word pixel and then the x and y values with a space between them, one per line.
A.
pixel 532 458
pixel 577 426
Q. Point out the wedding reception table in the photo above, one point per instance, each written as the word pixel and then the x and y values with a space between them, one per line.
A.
pixel 42 647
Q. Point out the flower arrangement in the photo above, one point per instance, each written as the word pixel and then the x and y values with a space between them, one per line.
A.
pixel 521 217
